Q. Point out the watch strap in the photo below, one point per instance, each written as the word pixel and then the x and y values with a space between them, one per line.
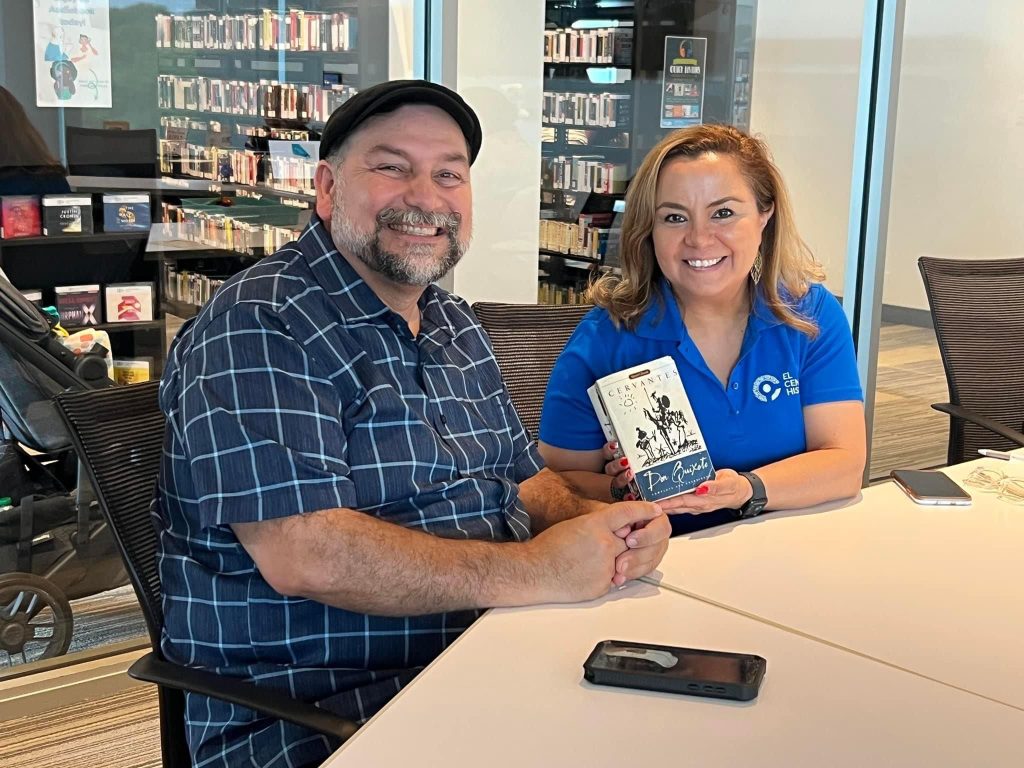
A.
pixel 757 502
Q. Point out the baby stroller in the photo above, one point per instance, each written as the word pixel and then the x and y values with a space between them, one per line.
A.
pixel 54 544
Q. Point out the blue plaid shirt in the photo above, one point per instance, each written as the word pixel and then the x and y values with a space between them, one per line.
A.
pixel 295 390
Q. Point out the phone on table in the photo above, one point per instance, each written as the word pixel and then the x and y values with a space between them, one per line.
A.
pixel 928 487
pixel 668 668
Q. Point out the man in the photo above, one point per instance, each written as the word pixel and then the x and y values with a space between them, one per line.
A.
pixel 345 481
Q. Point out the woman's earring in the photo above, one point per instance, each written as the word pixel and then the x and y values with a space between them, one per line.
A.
pixel 756 267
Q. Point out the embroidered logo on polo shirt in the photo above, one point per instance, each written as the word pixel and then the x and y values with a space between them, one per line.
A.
pixel 767 388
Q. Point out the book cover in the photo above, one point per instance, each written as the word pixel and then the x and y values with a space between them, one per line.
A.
pixel 67 214
pixel 126 213
pixel 646 411
pixel 20 216
pixel 76 304
pixel 129 302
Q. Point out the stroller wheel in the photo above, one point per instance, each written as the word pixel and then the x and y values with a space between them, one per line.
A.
pixel 35 619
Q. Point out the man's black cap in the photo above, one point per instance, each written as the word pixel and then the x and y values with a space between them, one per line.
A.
pixel 388 97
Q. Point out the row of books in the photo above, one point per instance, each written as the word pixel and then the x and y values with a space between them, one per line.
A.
pixel 179 125
pixel 237 166
pixel 71 214
pixel 293 30
pixel 589 46
pixel 190 287
pixel 585 137
pixel 222 231
pixel 265 98
pixel 583 173
pixel 605 110
pixel 582 238
pixel 549 293
pixel 78 305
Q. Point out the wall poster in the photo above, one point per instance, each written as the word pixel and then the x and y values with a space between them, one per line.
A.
pixel 682 83
pixel 72 53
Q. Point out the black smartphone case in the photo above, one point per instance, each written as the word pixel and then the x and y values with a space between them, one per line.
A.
pixel 595 673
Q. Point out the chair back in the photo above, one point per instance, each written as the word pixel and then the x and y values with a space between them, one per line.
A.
pixel 527 339
pixel 977 307
pixel 118 434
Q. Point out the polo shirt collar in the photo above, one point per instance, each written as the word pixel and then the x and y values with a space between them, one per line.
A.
pixel 661 319
pixel 357 301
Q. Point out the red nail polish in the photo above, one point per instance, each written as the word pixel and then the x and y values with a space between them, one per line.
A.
pixel 702 490
pixel 613 446
pixel 630 497
pixel 623 462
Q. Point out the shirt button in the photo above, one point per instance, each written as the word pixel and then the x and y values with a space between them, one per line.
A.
pixel 735 413
pixel 735 385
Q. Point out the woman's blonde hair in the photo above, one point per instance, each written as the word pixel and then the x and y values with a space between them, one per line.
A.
pixel 788 267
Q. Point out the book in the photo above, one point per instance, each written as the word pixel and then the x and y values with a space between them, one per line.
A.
pixel 129 302
pixel 126 212
pixel 20 216
pixel 76 304
pixel 132 370
pixel 646 411
pixel 67 214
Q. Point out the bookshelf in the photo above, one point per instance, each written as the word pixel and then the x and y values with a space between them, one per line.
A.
pixel 236 75
pixel 603 110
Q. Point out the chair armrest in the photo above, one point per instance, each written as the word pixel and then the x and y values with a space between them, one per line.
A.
pixel 959 412
pixel 275 703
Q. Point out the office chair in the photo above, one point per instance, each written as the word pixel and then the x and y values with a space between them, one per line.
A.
pixel 102 152
pixel 527 339
pixel 977 307
pixel 118 434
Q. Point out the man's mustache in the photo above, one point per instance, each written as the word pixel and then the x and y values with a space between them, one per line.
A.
pixel 449 222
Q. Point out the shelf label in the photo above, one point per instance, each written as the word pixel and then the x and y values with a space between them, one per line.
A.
pixel 682 81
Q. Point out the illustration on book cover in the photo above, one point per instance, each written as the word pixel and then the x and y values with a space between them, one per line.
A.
pixel 647 412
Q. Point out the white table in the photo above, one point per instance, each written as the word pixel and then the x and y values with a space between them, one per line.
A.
pixel 936 590
pixel 510 693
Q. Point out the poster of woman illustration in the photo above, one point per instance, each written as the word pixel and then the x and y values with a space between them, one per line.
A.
pixel 72 47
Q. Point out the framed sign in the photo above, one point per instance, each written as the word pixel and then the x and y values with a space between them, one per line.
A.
pixel 72 53
pixel 682 82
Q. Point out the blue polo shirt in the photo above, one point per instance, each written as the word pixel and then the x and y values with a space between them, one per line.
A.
pixel 754 420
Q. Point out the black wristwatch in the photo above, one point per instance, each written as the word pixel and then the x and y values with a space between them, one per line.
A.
pixel 756 504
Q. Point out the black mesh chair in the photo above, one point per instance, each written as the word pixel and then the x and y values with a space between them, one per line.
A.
pixel 527 339
pixel 977 307
pixel 118 434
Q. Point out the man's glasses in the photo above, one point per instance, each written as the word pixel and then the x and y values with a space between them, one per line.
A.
pixel 988 480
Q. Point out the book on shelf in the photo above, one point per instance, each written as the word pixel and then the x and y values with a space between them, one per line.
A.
pixel 584 173
pixel 589 46
pixel 132 370
pixel 603 110
pixel 293 30
pixel 588 237
pixel 126 212
pixel 20 216
pixel 263 98
pixel 646 411
pixel 67 215
pixel 77 304
pixel 129 302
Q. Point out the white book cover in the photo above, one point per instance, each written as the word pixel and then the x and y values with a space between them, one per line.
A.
pixel 646 411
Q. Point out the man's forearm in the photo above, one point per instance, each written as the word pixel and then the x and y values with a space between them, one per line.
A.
pixel 353 561
pixel 549 499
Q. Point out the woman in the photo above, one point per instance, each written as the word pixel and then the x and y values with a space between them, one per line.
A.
pixel 715 275
pixel 26 165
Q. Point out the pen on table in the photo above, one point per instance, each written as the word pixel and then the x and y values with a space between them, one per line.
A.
pixel 1001 454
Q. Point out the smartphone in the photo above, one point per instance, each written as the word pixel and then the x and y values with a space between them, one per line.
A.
pixel 926 487
pixel 668 668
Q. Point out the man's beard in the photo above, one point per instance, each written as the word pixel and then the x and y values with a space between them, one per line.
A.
pixel 418 265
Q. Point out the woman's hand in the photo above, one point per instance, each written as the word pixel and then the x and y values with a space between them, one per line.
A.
pixel 727 490
pixel 617 468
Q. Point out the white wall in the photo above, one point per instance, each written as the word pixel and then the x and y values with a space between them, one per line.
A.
pixel 499 72
pixel 959 158
pixel 804 103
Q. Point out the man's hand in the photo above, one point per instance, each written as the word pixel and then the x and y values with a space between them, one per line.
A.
pixel 646 546
pixel 727 490
pixel 582 554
